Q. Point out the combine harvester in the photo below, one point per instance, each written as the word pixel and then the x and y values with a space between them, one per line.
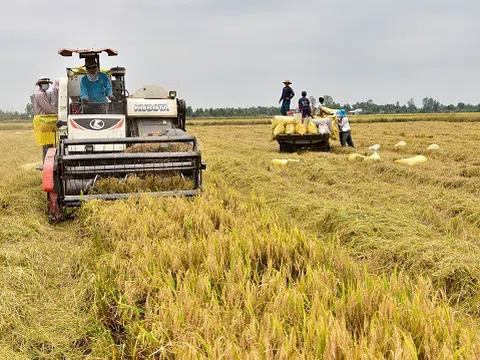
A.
pixel 141 135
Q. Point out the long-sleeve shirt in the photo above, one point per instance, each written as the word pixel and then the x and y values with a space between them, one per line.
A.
pixel 52 94
pixel 344 124
pixel 96 91
pixel 287 94
pixel 42 102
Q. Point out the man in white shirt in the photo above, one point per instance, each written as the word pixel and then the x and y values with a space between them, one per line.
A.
pixel 319 109
pixel 344 126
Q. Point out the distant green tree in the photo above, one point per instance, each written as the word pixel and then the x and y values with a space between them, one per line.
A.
pixel 328 101
pixel 411 105
pixel 430 105
pixel 29 111
pixel 368 107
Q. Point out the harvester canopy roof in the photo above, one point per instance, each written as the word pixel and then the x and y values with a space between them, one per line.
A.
pixel 70 52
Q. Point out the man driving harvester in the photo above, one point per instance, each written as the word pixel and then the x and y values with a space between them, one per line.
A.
pixel 95 88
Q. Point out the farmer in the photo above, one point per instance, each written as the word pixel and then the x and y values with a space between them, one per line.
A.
pixel 44 99
pixel 95 88
pixel 45 102
pixel 304 105
pixel 344 126
pixel 286 97
pixel 319 109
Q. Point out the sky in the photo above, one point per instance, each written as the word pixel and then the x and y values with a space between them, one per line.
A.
pixel 220 53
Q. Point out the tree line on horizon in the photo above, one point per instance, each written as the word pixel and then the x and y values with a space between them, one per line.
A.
pixel 429 105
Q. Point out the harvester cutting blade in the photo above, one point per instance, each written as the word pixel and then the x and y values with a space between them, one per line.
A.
pixel 144 166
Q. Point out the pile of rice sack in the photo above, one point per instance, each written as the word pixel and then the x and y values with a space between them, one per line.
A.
pixel 290 125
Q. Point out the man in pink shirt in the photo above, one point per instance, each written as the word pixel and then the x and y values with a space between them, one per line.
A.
pixel 45 102
pixel 44 99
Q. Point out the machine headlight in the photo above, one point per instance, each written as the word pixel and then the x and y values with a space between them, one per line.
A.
pixel 172 94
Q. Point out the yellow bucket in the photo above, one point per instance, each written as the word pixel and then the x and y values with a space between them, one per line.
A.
pixel 45 129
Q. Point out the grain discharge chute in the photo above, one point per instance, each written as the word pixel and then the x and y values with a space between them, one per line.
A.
pixel 137 144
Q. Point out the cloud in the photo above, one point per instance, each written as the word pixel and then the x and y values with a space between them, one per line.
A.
pixel 217 53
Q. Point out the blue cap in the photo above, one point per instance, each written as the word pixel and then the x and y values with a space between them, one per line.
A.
pixel 342 113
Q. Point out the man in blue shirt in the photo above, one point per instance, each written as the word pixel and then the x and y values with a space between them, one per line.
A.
pixel 287 96
pixel 304 105
pixel 95 88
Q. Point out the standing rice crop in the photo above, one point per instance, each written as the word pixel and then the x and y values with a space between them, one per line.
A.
pixel 219 276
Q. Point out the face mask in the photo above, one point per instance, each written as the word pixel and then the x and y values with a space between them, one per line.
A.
pixel 94 76
pixel 45 86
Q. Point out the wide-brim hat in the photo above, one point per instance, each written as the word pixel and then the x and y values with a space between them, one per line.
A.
pixel 287 82
pixel 341 113
pixel 43 80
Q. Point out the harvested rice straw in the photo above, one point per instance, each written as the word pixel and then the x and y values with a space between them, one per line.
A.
pixel 138 183
pixel 160 147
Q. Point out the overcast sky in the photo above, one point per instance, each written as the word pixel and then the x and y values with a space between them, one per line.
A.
pixel 220 53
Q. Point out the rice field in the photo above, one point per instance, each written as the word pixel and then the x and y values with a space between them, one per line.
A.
pixel 363 118
pixel 321 258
